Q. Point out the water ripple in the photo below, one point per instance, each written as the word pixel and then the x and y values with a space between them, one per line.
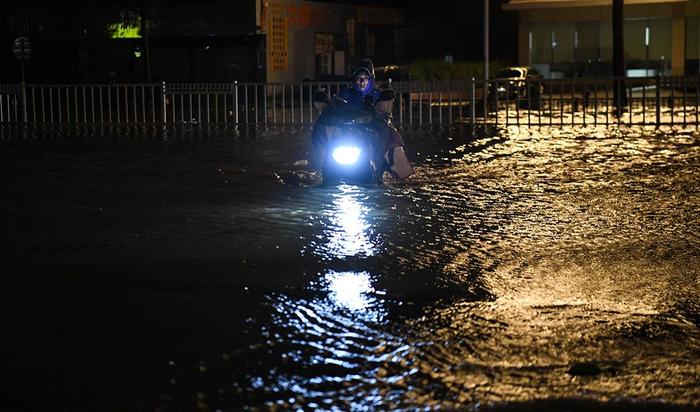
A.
pixel 514 267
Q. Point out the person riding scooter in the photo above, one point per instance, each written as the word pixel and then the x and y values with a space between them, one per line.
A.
pixel 364 96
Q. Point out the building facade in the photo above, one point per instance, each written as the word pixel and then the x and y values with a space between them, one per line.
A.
pixel 573 38
pixel 138 41
pixel 132 41
pixel 317 40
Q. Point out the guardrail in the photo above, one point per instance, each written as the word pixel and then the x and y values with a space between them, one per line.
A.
pixel 532 102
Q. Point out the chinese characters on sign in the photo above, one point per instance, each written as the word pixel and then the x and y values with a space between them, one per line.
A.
pixel 299 16
pixel 278 47
pixel 281 16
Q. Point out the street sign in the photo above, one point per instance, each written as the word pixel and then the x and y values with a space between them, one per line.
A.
pixel 22 48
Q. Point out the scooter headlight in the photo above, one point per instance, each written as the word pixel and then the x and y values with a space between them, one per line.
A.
pixel 346 155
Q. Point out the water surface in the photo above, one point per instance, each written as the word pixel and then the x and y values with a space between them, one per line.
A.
pixel 550 268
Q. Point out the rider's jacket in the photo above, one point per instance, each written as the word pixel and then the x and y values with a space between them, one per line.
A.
pixel 358 99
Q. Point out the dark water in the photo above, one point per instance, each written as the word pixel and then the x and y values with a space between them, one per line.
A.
pixel 521 270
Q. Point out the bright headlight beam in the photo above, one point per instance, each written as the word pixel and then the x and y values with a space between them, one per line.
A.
pixel 346 155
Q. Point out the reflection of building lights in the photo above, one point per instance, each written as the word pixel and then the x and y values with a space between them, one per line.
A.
pixel 350 289
pixel 646 36
pixel 348 237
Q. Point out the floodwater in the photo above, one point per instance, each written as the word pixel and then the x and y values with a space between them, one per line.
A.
pixel 542 269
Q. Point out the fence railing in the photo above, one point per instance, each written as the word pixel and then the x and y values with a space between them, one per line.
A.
pixel 532 102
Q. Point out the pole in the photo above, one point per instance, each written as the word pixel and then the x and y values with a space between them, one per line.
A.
pixel 24 87
pixel 163 100
pixel 619 55
pixel 472 101
pixel 486 58
pixel 657 100
pixel 22 61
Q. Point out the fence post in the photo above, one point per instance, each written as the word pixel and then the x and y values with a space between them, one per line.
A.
pixel 255 102
pixel 24 101
pixel 420 104
pixel 265 104
pixel 165 107
pixel 235 98
pixel 449 102
pixel 618 101
pixel 410 104
pixel 472 101
pixel 658 100
pixel 401 103
pixel 495 101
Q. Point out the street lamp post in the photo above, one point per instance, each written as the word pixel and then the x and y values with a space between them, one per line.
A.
pixel 575 53
pixel 619 95
pixel 486 58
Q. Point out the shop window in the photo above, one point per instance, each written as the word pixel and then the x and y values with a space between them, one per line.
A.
pixel 350 36
pixel 648 45
pixel 324 46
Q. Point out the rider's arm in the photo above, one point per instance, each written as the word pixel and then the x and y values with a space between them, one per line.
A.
pixel 344 95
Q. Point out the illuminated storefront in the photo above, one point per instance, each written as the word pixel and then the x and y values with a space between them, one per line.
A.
pixel 319 40
pixel 573 38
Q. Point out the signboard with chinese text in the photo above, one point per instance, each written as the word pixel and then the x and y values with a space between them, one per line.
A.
pixel 278 44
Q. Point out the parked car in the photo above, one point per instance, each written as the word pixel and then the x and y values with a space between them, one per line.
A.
pixel 517 82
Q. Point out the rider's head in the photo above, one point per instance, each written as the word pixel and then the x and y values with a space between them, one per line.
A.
pixel 363 76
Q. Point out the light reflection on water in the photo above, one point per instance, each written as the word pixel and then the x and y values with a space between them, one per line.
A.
pixel 585 242
pixel 337 337
pixel 553 227
pixel 347 233
pixel 350 290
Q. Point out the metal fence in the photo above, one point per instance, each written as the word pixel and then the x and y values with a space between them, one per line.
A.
pixel 533 102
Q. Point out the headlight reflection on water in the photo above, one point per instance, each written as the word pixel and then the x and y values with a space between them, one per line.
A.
pixel 347 237
pixel 347 234
pixel 350 290
pixel 333 340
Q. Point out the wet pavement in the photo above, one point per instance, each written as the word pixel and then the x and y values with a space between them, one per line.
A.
pixel 542 269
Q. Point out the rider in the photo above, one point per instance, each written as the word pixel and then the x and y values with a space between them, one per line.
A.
pixel 363 92
pixel 364 95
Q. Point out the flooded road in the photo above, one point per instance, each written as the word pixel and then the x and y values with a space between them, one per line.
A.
pixel 545 269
